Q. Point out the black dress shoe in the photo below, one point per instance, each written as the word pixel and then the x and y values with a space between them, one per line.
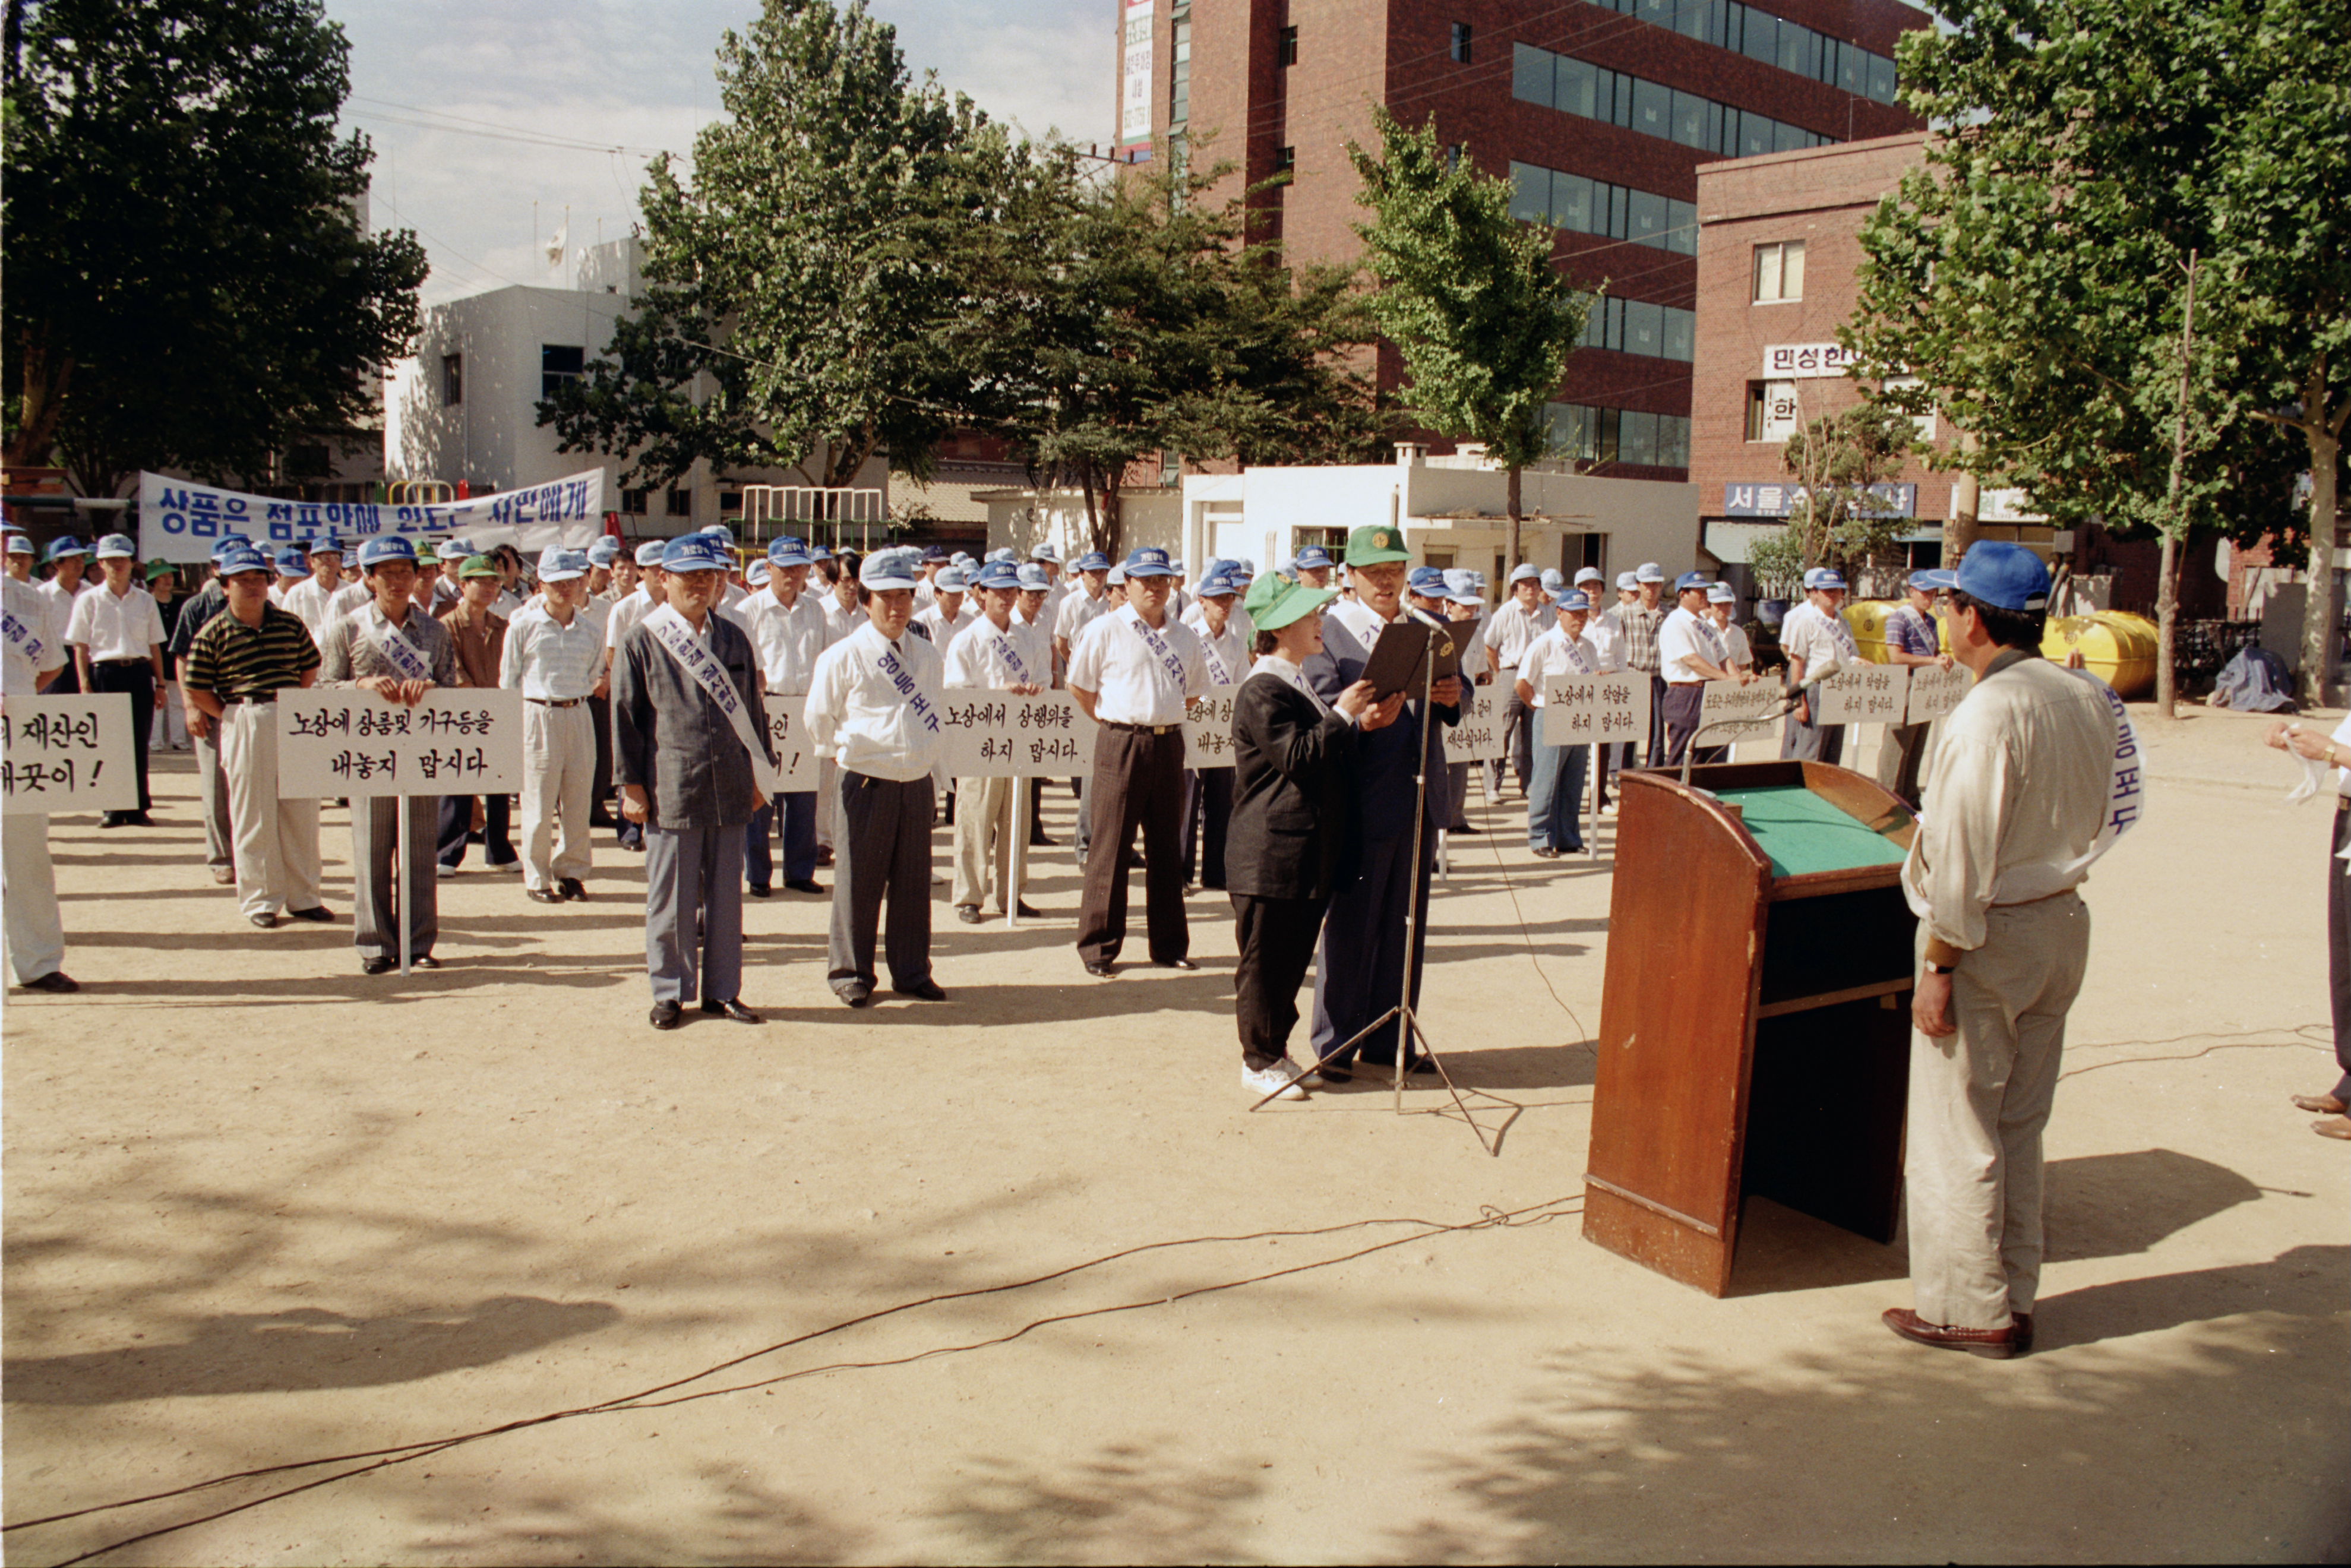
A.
pixel 1335 1072
pixel 732 1009
pixel 805 884
pixel 375 965
pixel 266 922
pixel 424 961
pixel 758 892
pixel 1022 910
pixel 137 820
pixel 922 992
pixel 856 993
pixel 1039 841
pixel 570 887
pixel 1546 853
pixel 666 1014
pixel 111 819
pixel 1466 828
pixel 55 980
pixel 1103 971
pixel 1175 963
pixel 317 915
pixel 823 855
pixel 967 913
pixel 543 895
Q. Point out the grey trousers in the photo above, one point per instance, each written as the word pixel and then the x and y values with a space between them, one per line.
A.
pixel 693 880
pixel 1978 1101
pixel 220 839
pixel 882 845
pixel 375 839
pixel 1899 756
pixel 1813 742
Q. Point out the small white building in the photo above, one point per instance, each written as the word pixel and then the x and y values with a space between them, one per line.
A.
pixel 465 406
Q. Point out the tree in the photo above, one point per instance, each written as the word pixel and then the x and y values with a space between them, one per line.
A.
pixel 1836 457
pixel 189 285
pixel 803 283
pixel 2033 272
pixel 1469 296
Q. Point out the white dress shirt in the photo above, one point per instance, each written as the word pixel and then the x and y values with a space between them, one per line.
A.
pixel 840 623
pixel 1809 633
pixel 1078 611
pixel 1511 630
pixel 1226 657
pixel 61 606
pixel 1606 635
pixel 549 662
pixel 115 627
pixel 626 616
pixel 943 634
pixel 873 704
pixel 352 596
pixel 29 607
pixel 1736 650
pixel 1115 661
pixel 308 601
pixel 788 639
pixel 983 657
pixel 1682 637
pixel 1555 654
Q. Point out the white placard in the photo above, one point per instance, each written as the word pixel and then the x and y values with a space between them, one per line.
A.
pixel 1135 78
pixel 1935 692
pixel 182 521
pixel 1862 693
pixel 1479 736
pixel 997 735
pixel 788 733
pixel 1584 710
pixel 69 754
pixel 342 741
pixel 1740 711
pixel 1809 361
pixel 1208 728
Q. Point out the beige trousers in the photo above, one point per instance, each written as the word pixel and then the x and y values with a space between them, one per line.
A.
pixel 1978 1100
pixel 276 840
pixel 558 773
pixel 28 887
pixel 983 816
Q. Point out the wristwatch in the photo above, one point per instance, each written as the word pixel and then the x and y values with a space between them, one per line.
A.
pixel 1935 968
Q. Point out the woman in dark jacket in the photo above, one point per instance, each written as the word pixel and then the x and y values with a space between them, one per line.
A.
pixel 1290 754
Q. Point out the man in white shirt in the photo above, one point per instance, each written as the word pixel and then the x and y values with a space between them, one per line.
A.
pixel 602 557
pixel 1721 602
pixel 308 600
pixel 845 611
pixel 1689 654
pixel 1509 632
pixel 35 932
pixel 1555 789
pixel 626 616
pixel 1314 567
pixel 1208 791
pixel 116 633
pixel 1131 671
pixel 1049 559
pixel 1814 636
pixel 1081 609
pixel 949 610
pixel 554 656
pixel 874 706
pixel 788 633
pixel 1032 618
pixel 926 588
pixel 2032 775
pixel 68 560
pixel 293 571
pixel 993 652
pixel 1464 608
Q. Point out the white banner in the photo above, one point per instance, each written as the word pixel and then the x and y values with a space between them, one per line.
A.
pixel 996 735
pixel 788 732
pixel 183 521
pixel 1737 711
pixel 1479 736
pixel 1936 692
pixel 341 740
pixel 1135 75
pixel 1864 693
pixel 1208 728
pixel 69 754
pixel 1584 710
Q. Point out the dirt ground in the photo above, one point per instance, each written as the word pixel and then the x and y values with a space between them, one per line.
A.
pixel 262 1210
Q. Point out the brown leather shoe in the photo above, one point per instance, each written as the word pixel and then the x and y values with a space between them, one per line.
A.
pixel 2023 1332
pixel 2333 1127
pixel 1998 1345
pixel 2320 1105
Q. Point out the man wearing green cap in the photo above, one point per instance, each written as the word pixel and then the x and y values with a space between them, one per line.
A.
pixel 1361 968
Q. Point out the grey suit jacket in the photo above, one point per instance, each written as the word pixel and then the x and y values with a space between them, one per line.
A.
pixel 671 738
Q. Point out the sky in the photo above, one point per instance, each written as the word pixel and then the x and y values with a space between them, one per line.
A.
pixel 479 109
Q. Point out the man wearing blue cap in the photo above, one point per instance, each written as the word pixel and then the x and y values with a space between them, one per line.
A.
pixel 1208 792
pixel 1690 654
pixel 477 637
pixel 392 647
pixel 1131 670
pixel 1912 640
pixel 648 594
pixel 1814 636
pixel 1508 633
pixel 68 560
pixel 993 652
pixel 1314 567
pixel 554 656
pixel 116 634
pixel 788 633
pixel 308 600
pixel 293 570
pixel 2034 774
pixel 1640 619
pixel 34 931
pixel 1555 789
pixel 602 556
pixel 203 735
pixel 690 742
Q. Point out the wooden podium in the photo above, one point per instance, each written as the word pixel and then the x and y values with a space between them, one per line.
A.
pixel 1755 1030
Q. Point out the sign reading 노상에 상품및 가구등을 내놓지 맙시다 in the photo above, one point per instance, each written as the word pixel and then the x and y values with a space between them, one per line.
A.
pixel 344 740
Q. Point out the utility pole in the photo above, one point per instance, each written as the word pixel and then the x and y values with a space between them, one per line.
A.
pixel 2175 528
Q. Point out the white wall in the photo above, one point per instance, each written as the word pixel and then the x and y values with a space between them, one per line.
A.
pixel 1022 520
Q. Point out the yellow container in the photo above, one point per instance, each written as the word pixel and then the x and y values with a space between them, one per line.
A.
pixel 2118 649
pixel 1867 619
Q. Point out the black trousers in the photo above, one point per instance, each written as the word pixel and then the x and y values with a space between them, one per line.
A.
pixel 457 821
pixel 2338 947
pixel 136 677
pixel 1656 755
pixel 1360 974
pixel 881 848
pixel 1519 721
pixel 599 804
pixel 1685 705
pixel 1277 938
pixel 1138 781
pixel 1208 812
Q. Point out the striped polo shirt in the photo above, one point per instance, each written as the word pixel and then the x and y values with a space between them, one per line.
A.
pixel 230 659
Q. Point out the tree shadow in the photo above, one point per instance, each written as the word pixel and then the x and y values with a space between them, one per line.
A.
pixel 738 1520
pixel 1122 1505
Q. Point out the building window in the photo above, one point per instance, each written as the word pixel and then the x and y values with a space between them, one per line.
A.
pixel 1638 327
pixel 681 503
pixel 1171 468
pixel 1460 43
pixel 559 363
pixel 1179 93
pixel 633 502
pixel 1285 159
pixel 1453 157
pixel 1593 92
pixel 1286 52
pixel 452 380
pixel 730 501
pixel 1770 411
pixel 310 460
pixel 1580 205
pixel 1780 271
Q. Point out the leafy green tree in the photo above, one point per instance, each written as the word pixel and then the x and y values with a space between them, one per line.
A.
pixel 1469 296
pixel 2033 272
pixel 1836 457
pixel 188 282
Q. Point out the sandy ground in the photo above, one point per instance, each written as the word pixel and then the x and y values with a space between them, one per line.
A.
pixel 261 1210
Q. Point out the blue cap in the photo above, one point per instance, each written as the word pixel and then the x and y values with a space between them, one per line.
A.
pixel 240 557
pixel 68 546
pixel 933 552
pixel 2004 576
pixel 19 545
pixel 1092 560
pixel 1221 579
pixel 788 552
pixel 1822 577
pixel 819 552
pixel 1008 555
pixel 1047 552
pixel 559 565
pixel 999 574
pixel 1552 580
pixel 1525 571
pixel 604 551
pixel 385 548
pixel 1315 556
pixel 1428 581
pixel 1573 599
pixel 1720 593
pixel 722 533
pixel 226 543
pixel 1932 580
pixel 1588 574
pixel 1035 578
pixel 1648 571
pixel 888 570
pixel 650 552
pixel 1690 579
pixel 697 552
pixel 292 562
pixel 1627 581
pixel 951 579
pixel 757 575
pixel 324 544
pixel 119 546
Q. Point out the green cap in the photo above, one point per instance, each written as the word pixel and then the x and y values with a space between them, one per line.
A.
pixel 1376 544
pixel 478 566
pixel 156 569
pixel 1274 601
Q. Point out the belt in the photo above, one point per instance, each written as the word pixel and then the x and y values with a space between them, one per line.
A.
pixel 1143 728
pixel 2342 802
pixel 555 702
pixel 117 663
pixel 233 702
pixel 1684 683
pixel 2029 903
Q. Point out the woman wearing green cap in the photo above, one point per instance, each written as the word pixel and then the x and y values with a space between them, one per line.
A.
pixel 1291 752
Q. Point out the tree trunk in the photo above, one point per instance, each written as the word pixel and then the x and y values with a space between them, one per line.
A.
pixel 1093 515
pixel 2167 624
pixel 1959 532
pixel 2321 612
pixel 1112 531
pixel 1513 506
pixel 42 394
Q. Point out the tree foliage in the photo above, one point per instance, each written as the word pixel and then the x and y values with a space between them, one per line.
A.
pixel 1836 457
pixel 188 285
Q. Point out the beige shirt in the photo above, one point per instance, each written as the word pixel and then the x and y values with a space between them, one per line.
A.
pixel 2017 786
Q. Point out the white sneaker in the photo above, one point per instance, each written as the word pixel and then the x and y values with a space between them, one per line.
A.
pixel 447 872
pixel 1279 1080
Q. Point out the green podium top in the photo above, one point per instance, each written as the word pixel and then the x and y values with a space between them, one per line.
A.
pixel 1802 832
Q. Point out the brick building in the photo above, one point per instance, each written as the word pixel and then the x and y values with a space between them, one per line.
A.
pixel 1600 112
